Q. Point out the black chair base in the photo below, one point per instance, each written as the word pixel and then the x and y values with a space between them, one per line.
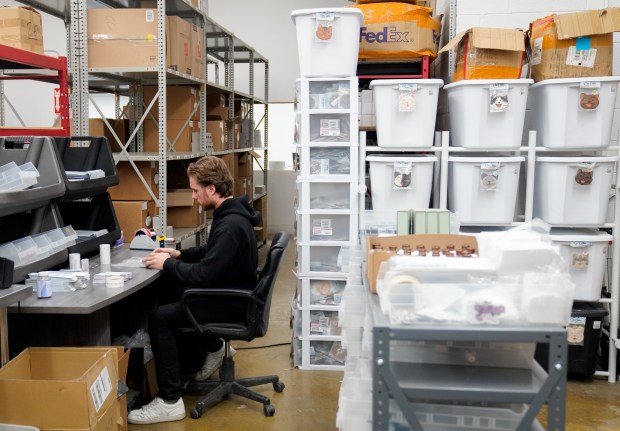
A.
pixel 227 385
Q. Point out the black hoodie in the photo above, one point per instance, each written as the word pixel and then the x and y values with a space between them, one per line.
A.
pixel 230 257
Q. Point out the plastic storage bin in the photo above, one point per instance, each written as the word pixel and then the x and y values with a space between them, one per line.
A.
pixel 327 228
pixel 573 191
pixel 327 41
pixel 573 112
pixel 319 291
pixel 319 354
pixel 326 127
pixel 401 182
pixel 585 254
pixel 483 190
pixel 339 162
pixel 39 151
pixel 86 154
pixel 326 94
pixel 320 261
pixel 405 111
pixel 487 113
pixel 326 195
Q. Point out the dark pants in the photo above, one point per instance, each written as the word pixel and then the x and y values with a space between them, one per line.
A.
pixel 175 353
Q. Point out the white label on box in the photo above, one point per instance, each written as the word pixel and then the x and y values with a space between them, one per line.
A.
pixel 322 227
pixel 101 388
pixel 407 97
pixel 329 127
pixel 489 175
pixel 323 30
pixel 150 15
pixel 319 167
pixel 402 175
pixel 583 57
pixel 579 261
pixel 537 51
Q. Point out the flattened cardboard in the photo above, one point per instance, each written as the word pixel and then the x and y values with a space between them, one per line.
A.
pixel 375 257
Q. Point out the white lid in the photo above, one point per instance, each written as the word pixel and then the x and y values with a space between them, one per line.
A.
pixel 335 10
pixel 391 159
pixel 498 159
pixel 577 80
pixel 379 82
pixel 579 235
pixel 481 82
pixel 579 159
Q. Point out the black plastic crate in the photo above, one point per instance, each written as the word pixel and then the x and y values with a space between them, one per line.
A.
pixel 91 214
pixel 83 154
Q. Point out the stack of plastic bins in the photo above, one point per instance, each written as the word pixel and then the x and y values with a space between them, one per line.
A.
pixel 327 212
pixel 86 205
pixel 486 115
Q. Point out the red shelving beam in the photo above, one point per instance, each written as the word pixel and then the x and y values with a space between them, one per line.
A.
pixel 15 58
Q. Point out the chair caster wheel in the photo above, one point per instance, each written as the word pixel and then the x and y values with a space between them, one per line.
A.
pixel 278 386
pixel 269 410
pixel 195 413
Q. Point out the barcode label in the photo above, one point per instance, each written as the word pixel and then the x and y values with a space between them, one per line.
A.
pixel 101 388
pixel 150 15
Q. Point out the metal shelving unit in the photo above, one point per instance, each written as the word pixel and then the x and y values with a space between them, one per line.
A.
pixel 220 46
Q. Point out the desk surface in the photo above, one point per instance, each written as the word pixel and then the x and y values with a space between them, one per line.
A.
pixel 95 296
pixel 15 293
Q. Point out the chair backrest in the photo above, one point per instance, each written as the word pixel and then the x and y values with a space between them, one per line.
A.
pixel 267 277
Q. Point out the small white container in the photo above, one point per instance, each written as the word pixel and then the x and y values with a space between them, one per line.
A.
pixel 585 254
pixel 487 113
pixel 573 112
pixel 573 191
pixel 405 111
pixel 483 190
pixel 390 188
pixel 327 41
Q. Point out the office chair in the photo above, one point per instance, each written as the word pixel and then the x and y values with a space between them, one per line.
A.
pixel 258 305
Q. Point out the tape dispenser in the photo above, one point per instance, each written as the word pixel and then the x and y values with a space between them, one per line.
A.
pixel 144 239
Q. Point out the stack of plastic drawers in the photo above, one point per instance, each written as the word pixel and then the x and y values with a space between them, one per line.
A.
pixel 326 213
pixel 326 136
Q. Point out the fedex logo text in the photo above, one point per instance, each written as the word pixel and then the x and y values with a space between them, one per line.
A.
pixel 387 35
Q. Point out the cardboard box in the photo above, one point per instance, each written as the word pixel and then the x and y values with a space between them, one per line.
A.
pixel 59 388
pixel 134 215
pixel 218 137
pixel 97 127
pixel 127 37
pixel 180 102
pixel 244 186
pixel 375 257
pixel 215 99
pixel 198 53
pixel 179 45
pixel 184 216
pixel 488 53
pixel 187 140
pixel 573 45
pixel 245 163
pixel 21 27
pixel 130 187
pixel 122 37
pixel 179 198
pixel 394 31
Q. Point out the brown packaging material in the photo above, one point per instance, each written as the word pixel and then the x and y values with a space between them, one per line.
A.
pixel 198 67
pixel 179 198
pixel 130 187
pixel 187 135
pixel 374 258
pixel 97 127
pixel 134 215
pixel 20 27
pixel 394 31
pixel 573 45
pixel 488 53
pixel 62 388
pixel 184 216
pixel 218 137
pixel 180 102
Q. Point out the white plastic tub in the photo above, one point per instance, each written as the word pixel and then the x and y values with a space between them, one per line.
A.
pixel 405 111
pixel 479 120
pixel 585 254
pixel 564 114
pixel 390 191
pixel 327 41
pixel 483 190
pixel 573 191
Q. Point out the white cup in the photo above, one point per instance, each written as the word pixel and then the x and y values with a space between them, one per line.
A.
pixel 104 254
pixel 74 261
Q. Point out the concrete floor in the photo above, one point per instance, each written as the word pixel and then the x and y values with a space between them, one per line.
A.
pixel 310 400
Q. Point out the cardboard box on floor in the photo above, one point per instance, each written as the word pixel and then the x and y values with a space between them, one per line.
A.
pixel 488 53
pixel 573 45
pixel 134 215
pixel 64 388
pixel 20 27
pixel 375 257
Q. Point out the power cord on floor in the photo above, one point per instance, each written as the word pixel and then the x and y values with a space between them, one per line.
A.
pixel 263 347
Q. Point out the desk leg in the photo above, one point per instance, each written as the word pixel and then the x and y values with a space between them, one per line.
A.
pixel 4 337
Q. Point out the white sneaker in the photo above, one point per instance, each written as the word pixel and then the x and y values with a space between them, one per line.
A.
pixel 212 364
pixel 157 411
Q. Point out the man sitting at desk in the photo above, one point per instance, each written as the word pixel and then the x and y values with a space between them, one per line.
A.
pixel 229 259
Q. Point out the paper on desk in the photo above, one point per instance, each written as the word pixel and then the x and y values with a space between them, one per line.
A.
pixel 133 262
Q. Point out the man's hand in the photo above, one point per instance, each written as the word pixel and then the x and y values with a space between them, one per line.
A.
pixel 172 252
pixel 156 259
